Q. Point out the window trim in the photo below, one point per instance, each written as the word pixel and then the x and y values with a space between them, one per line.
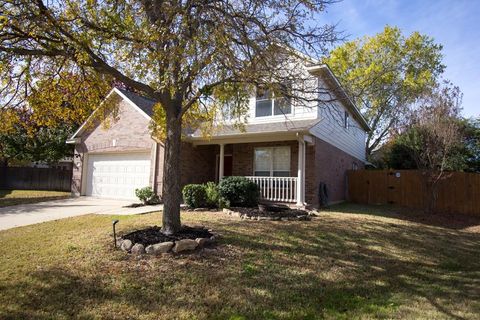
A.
pixel 271 161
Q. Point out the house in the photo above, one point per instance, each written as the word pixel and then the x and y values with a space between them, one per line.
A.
pixel 288 154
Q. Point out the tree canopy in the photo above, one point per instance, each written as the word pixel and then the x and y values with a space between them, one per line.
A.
pixel 385 74
pixel 181 53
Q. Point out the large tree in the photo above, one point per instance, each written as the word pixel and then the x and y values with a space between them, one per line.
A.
pixel 385 74
pixel 181 53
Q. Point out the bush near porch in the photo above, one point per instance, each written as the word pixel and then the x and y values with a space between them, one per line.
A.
pixel 230 192
pixel 351 262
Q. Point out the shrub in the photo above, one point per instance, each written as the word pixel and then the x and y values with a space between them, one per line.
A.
pixel 147 196
pixel 212 196
pixel 195 195
pixel 239 191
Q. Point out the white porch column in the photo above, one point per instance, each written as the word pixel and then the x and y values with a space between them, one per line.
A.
pixel 221 165
pixel 301 173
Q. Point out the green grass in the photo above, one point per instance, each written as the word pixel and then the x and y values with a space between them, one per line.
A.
pixel 14 197
pixel 345 264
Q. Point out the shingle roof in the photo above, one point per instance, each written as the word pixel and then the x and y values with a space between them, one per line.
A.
pixel 143 103
pixel 283 126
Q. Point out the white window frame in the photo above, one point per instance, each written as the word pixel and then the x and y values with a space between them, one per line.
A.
pixel 271 160
pixel 272 99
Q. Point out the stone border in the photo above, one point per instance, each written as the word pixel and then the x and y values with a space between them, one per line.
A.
pixel 177 246
pixel 244 216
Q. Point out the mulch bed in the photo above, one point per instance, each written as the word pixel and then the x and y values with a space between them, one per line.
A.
pixel 154 235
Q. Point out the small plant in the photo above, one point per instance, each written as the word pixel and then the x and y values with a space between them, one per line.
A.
pixel 195 195
pixel 147 196
pixel 239 191
pixel 213 197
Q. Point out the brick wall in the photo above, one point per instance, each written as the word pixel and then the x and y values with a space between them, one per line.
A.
pixel 331 165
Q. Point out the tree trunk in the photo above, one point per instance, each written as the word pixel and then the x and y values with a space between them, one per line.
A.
pixel 171 173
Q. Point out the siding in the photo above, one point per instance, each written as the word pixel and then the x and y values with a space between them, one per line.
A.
pixel 331 128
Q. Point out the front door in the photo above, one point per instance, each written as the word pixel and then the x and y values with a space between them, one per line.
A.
pixel 227 166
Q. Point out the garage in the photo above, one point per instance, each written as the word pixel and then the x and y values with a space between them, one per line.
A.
pixel 117 175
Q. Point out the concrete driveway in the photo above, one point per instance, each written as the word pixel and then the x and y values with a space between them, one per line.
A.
pixel 25 214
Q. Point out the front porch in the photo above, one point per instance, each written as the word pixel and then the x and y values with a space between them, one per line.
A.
pixel 277 167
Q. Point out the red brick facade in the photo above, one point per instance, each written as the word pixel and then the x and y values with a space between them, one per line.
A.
pixel 331 166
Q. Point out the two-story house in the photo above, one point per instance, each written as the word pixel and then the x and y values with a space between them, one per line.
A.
pixel 289 151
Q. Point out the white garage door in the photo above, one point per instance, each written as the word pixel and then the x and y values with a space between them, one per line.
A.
pixel 117 175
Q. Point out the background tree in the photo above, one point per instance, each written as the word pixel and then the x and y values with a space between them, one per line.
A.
pixel 385 74
pixel 433 138
pixel 178 53
pixel 471 144
pixel 37 129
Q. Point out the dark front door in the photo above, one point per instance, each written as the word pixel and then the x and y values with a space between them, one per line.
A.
pixel 227 166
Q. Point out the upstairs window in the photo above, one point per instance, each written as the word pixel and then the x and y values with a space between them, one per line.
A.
pixel 270 103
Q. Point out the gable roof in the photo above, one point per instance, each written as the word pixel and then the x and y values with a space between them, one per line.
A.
pixel 139 103
pixel 324 69
pixel 144 103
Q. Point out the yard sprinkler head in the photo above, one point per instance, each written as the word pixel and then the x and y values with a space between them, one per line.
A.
pixel 114 222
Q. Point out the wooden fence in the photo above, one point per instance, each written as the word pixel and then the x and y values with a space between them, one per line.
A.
pixel 458 192
pixel 35 178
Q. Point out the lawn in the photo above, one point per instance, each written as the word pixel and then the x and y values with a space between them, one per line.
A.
pixel 14 197
pixel 350 262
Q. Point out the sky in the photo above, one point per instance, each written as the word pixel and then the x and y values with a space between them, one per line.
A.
pixel 454 24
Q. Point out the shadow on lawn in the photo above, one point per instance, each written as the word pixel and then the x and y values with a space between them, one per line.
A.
pixel 273 270
pixel 444 220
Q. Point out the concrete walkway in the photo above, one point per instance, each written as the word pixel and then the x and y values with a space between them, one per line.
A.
pixel 26 214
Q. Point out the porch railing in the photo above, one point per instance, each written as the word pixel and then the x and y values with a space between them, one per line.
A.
pixel 281 189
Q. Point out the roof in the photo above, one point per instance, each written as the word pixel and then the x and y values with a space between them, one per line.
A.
pixel 144 103
pixel 258 128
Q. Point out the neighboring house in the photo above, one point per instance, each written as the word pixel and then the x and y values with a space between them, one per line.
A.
pixel 64 164
pixel 288 154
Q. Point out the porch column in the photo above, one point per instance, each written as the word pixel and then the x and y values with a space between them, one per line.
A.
pixel 221 165
pixel 301 173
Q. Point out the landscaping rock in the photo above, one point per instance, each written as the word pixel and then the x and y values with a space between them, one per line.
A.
pixel 184 245
pixel 159 248
pixel 202 242
pixel 138 248
pixel 126 245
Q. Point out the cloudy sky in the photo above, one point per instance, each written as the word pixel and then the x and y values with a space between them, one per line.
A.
pixel 454 24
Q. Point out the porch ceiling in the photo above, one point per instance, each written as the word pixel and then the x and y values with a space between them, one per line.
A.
pixel 259 132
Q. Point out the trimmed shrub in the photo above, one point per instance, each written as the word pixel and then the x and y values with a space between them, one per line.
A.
pixel 147 196
pixel 195 195
pixel 239 191
pixel 212 196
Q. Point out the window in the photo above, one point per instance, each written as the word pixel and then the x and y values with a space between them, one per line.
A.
pixel 270 103
pixel 272 162
pixel 346 120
